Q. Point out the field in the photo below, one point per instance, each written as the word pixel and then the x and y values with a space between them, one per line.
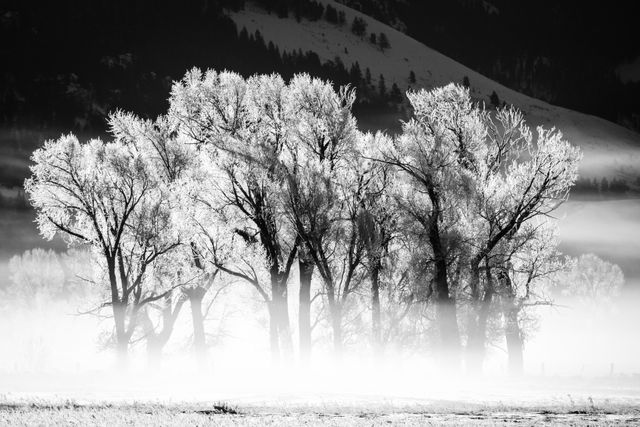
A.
pixel 220 414
pixel 229 397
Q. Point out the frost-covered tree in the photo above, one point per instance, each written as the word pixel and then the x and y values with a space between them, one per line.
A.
pixel 517 274
pixel 173 161
pixel 378 223
pixel 517 179
pixel 38 276
pixel 106 195
pixel 241 128
pixel 325 186
pixel 471 182
pixel 436 155
pixel 590 280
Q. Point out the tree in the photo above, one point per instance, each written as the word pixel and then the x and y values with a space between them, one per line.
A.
pixel 466 190
pixel 373 39
pixel 355 74
pixel 401 297
pixel 331 14
pixel 342 19
pixel 435 155
pixel 465 82
pixel 378 225
pixel 324 190
pixel 242 129
pixel 382 87
pixel 495 101
pixel 359 27
pixel 157 334
pixel 412 77
pixel 383 42
pixel 106 195
pixel 510 193
pixel 174 161
pixel 589 280
pixel 395 94
pixel 306 269
pixel 38 276
pixel 618 186
pixel 520 268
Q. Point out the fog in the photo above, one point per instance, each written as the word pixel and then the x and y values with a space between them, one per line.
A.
pixel 575 352
pixel 608 228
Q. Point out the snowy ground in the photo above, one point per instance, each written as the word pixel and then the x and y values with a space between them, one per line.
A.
pixel 199 399
pixel 41 413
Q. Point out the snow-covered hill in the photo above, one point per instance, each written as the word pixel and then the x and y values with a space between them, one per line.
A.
pixel 608 149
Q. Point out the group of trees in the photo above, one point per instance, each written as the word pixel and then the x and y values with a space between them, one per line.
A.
pixel 379 40
pixel 39 276
pixel 435 233
pixel 308 9
pixel 359 28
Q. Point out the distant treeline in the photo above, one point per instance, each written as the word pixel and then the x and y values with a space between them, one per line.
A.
pixel 17 201
pixel 615 187
pixel 68 64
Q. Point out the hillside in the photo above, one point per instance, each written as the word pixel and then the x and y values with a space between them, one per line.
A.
pixel 609 149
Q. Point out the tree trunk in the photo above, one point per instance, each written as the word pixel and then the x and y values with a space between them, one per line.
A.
pixel 119 316
pixel 284 324
pixel 273 333
pixel 336 324
pixel 473 358
pixel 304 311
pixel 157 340
pixel 122 340
pixel 196 295
pixel 478 318
pixel 513 334
pixel 154 341
pixel 515 343
pixel 446 318
pixel 375 310
pixel 279 299
pixel 335 315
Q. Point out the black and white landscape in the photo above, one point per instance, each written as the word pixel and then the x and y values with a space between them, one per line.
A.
pixel 310 212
